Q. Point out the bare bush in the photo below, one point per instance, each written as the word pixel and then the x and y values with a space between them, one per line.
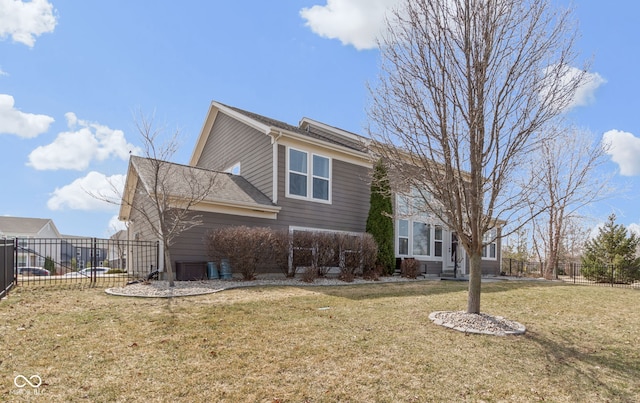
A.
pixel 279 249
pixel 324 252
pixel 410 268
pixel 349 256
pixel 302 249
pixel 310 274
pixel 369 252
pixel 244 247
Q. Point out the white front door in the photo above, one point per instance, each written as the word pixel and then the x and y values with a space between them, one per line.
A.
pixel 453 252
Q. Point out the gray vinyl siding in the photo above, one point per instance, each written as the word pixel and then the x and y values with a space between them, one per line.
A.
pixel 140 262
pixel 231 141
pixel 350 199
pixel 191 245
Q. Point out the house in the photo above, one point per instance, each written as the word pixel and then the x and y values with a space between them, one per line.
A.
pixel 309 177
pixel 39 239
pixel 30 252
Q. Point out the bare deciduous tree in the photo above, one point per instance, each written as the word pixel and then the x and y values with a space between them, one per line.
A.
pixel 466 90
pixel 173 190
pixel 167 193
pixel 565 170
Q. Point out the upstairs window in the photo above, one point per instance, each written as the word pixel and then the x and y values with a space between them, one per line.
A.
pixel 489 250
pixel 308 176
pixel 234 169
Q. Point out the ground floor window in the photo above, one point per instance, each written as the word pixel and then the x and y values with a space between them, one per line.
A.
pixel 419 238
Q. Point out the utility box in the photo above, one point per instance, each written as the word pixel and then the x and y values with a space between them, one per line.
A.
pixel 189 271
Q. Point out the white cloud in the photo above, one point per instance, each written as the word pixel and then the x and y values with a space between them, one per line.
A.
pixel 76 149
pixel 360 22
pixel 353 22
pixel 116 225
pixel 624 149
pixel 13 121
pixel 24 21
pixel 634 228
pixel 89 193
pixel 3 73
pixel 585 94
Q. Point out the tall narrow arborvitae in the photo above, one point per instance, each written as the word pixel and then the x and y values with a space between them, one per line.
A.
pixel 380 219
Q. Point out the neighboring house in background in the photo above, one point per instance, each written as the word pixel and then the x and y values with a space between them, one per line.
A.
pixel 117 253
pixel 78 252
pixel 31 253
pixel 310 177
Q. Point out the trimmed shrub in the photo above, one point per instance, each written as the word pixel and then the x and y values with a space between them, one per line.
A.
pixel 302 249
pixel 279 247
pixel 410 268
pixel 370 253
pixel 245 247
pixel 324 252
pixel 317 252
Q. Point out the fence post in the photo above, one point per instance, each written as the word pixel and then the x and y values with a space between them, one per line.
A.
pixel 158 256
pixel 15 259
pixel 94 261
pixel 612 275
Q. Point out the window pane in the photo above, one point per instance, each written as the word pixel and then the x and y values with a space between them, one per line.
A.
pixel 403 246
pixel 421 238
pixel 492 252
pixel 321 166
pixel 320 189
pixel 403 228
pixel 403 206
pixel 437 249
pixel 297 184
pixel 298 161
pixel 438 233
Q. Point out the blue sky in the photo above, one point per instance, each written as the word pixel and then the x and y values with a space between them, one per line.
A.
pixel 74 73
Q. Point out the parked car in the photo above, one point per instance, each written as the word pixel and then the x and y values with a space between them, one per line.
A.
pixel 33 271
pixel 88 272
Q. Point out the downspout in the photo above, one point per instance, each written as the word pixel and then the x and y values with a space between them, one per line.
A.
pixel 274 179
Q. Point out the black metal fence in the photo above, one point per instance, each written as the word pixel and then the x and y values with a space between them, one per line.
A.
pixel 7 277
pixel 576 273
pixel 92 261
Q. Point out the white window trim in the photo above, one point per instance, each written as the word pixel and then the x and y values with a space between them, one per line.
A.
pixel 235 167
pixel 310 177
pixel 423 218
pixel 432 240
pixel 486 248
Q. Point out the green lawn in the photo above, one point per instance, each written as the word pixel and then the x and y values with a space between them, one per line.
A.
pixel 353 343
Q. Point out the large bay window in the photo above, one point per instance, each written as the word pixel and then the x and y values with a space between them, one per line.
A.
pixel 308 176
pixel 417 234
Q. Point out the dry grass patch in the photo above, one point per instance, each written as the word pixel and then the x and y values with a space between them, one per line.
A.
pixel 323 344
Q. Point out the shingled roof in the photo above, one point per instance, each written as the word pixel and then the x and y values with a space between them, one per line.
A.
pixel 24 226
pixel 309 130
pixel 227 188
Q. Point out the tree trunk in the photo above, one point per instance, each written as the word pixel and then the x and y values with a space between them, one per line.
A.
pixel 168 267
pixel 475 277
